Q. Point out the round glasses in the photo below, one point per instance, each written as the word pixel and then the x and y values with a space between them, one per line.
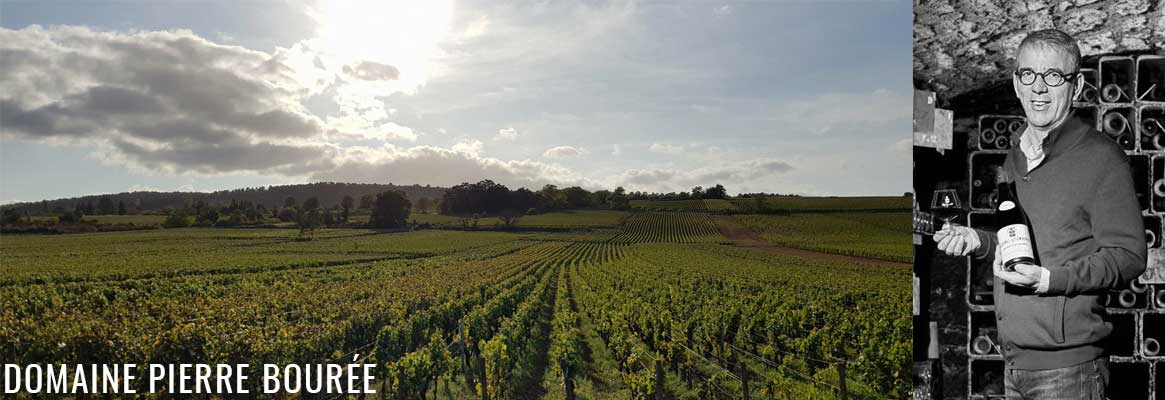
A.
pixel 1051 77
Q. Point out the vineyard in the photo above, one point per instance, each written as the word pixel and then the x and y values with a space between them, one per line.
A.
pixel 641 306
pixel 870 235
pixel 777 204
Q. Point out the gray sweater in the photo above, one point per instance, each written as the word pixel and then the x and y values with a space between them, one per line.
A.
pixel 1087 232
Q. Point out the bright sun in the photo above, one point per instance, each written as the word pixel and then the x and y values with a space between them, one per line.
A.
pixel 403 34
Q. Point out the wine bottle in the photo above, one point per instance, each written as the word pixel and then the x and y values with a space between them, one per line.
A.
pixel 1014 235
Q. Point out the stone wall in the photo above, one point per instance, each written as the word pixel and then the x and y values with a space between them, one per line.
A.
pixel 962 45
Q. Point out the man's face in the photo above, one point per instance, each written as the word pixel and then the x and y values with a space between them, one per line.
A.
pixel 1046 107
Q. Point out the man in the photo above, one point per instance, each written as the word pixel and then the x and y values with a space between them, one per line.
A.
pixel 1077 190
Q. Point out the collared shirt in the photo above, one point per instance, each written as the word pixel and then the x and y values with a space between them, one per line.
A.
pixel 1031 143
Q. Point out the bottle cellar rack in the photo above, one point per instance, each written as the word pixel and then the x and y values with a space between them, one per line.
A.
pixel 1124 97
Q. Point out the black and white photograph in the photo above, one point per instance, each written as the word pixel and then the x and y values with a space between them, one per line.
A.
pixel 1039 168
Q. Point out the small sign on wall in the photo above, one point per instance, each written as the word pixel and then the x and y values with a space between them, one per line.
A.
pixel 933 127
pixel 1155 271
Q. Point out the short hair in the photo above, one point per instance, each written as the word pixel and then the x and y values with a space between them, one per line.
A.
pixel 1055 39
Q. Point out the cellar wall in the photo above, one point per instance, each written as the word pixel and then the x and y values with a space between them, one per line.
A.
pixel 960 46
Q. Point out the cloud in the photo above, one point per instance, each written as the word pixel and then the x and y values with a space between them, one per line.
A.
pixel 664 148
pixel 616 150
pixel 163 100
pixel 373 71
pixel 470 148
pixel 506 134
pixel 732 174
pixel 445 167
pixel 563 152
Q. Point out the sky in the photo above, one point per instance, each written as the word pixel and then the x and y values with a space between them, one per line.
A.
pixel 783 96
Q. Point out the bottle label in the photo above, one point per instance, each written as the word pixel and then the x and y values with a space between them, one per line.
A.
pixel 1015 242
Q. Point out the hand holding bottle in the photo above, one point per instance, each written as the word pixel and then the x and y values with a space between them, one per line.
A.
pixel 1024 274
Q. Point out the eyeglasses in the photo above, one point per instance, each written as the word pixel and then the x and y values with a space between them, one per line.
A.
pixel 1051 77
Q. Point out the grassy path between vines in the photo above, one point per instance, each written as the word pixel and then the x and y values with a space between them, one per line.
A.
pixel 600 378
pixel 743 237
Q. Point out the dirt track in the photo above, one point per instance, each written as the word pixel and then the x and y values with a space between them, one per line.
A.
pixel 746 238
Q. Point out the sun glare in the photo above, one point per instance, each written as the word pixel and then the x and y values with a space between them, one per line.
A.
pixel 403 34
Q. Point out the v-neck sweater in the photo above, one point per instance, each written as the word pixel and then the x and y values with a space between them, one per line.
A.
pixel 1087 231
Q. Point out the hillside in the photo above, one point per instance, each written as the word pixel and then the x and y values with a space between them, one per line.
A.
pixel 328 193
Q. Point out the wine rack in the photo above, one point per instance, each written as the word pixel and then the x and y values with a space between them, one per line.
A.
pixel 1124 99
pixel 1000 132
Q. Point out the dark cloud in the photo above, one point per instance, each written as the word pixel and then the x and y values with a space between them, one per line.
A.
pixel 167 100
pixel 47 121
pixel 373 71
pixel 217 158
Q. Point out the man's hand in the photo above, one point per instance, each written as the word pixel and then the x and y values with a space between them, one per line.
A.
pixel 1025 275
pixel 957 240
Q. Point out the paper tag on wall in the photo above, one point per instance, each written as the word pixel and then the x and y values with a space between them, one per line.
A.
pixel 923 111
pixel 933 127
pixel 917 299
pixel 1155 270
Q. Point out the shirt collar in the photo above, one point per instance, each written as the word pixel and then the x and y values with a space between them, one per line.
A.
pixel 1058 140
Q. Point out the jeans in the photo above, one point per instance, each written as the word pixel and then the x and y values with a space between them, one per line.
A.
pixel 1084 381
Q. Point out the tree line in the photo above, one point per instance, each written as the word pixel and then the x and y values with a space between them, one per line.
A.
pixel 491 198
pixel 269 196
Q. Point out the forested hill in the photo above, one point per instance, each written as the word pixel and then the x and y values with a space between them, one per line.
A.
pixel 328 193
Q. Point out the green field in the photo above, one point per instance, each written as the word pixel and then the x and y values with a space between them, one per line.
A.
pixel 552 220
pixel 874 235
pixel 706 205
pixel 642 303
pixel 779 204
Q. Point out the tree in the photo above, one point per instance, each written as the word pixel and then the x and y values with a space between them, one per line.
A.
pixel 600 198
pixel 105 206
pixel 619 200
pixel 423 204
pixel 121 208
pixel 70 217
pixel 289 202
pixel 698 192
pixel 366 201
pixel 576 197
pixel 390 210
pixel 346 203
pixel 176 219
pixel 307 221
pixel 552 198
pixel 208 217
pixel 509 217
pixel 287 214
pixel 716 192
pixel 11 216
pixel 312 203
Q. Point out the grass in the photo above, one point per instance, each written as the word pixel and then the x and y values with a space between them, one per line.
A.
pixel 884 236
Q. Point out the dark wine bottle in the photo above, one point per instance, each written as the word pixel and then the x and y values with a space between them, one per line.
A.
pixel 1014 235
